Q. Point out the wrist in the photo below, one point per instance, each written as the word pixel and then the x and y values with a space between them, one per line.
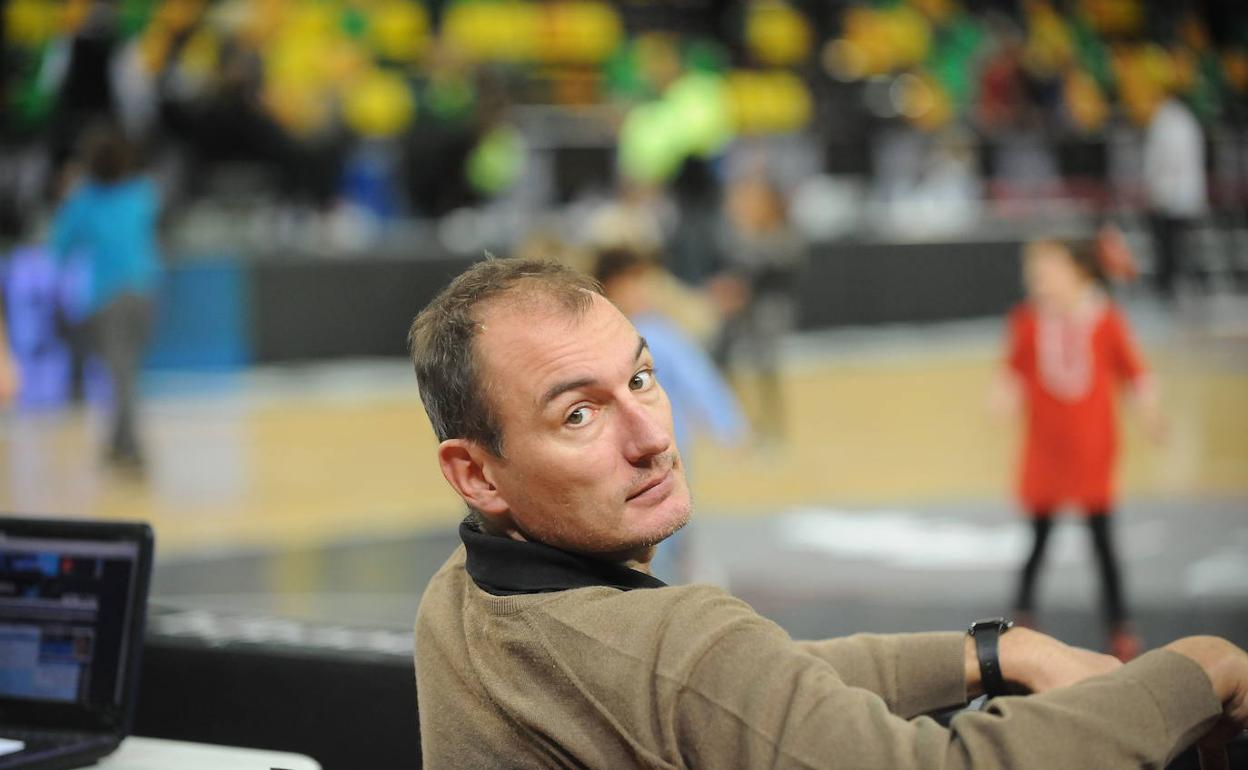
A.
pixel 1019 652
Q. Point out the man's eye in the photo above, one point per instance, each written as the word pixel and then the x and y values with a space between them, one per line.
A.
pixel 578 416
pixel 642 380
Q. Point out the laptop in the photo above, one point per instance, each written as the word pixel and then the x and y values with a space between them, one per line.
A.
pixel 73 600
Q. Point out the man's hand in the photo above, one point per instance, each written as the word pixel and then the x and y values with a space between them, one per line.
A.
pixel 1227 668
pixel 1035 662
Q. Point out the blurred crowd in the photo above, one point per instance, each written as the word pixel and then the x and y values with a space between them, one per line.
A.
pixel 352 114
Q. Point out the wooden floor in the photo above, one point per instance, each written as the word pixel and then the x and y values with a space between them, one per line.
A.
pixel 303 456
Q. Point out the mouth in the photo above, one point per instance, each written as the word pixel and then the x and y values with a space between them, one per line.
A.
pixel 655 487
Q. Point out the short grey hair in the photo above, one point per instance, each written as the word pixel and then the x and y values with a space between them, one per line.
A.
pixel 441 339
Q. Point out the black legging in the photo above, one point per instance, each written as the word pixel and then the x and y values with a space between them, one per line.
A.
pixel 1107 562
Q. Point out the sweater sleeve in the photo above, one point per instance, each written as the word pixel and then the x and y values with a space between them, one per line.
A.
pixel 914 673
pixel 753 698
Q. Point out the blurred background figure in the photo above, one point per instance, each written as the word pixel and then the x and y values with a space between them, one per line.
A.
pixel 1070 349
pixel 761 258
pixel 109 221
pixel 1174 176
pixel 701 401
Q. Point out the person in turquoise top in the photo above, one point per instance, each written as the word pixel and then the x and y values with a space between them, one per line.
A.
pixel 110 221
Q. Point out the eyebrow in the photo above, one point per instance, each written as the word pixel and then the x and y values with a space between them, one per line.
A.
pixel 558 389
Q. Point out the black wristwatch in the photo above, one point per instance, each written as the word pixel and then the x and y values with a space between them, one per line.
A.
pixel 986 633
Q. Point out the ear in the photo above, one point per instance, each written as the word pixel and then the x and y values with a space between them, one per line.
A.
pixel 463 464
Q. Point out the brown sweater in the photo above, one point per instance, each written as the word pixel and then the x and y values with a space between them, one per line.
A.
pixel 690 677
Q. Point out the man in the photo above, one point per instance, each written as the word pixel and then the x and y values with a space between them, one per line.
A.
pixel 544 642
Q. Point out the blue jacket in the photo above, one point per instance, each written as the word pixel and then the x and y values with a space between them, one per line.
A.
pixel 699 396
pixel 114 227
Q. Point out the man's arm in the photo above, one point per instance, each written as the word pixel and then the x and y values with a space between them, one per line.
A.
pixel 746 696
pixel 913 673
pixel 694 675
pixel 920 673
pixel 754 699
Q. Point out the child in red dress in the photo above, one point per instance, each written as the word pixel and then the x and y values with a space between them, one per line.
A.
pixel 1070 350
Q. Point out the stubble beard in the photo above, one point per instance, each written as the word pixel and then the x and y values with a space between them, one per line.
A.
pixel 571 537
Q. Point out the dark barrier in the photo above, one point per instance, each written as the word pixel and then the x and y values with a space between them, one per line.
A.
pixel 318 308
pixel 1236 752
pixel 345 696
pixel 880 283
pixel 311 309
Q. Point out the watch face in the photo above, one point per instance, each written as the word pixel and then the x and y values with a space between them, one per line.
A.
pixel 997 624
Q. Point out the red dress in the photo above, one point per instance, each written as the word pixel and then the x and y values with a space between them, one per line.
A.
pixel 1070 368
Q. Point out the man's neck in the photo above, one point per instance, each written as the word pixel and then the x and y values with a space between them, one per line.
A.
pixel 635 558
pixel 638 558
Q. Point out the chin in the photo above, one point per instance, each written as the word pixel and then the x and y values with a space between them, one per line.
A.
pixel 645 531
pixel 674 527
pixel 674 516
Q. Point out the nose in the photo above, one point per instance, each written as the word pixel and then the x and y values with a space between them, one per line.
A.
pixel 645 427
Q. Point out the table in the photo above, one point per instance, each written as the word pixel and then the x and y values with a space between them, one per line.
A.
pixel 157 754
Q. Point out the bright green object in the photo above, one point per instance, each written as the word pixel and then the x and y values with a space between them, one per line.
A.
pixel 700 103
pixel 497 161
pixel 652 144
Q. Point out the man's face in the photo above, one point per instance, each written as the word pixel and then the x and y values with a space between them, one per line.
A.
pixel 589 463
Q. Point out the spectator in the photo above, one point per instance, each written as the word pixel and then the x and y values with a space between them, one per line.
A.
pixel 1174 179
pixel 757 289
pixel 111 221
pixel 1069 349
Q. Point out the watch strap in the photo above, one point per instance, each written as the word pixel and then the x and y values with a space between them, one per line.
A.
pixel 987 635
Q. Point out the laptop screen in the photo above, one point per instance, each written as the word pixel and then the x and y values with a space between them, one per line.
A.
pixel 72 597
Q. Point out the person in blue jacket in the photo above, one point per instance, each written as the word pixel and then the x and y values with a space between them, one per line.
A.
pixel 699 397
pixel 110 221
